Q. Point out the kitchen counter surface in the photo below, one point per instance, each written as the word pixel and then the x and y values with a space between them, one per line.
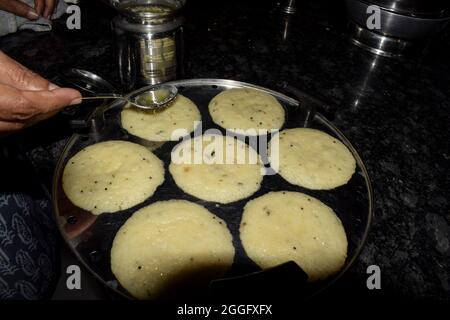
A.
pixel 396 113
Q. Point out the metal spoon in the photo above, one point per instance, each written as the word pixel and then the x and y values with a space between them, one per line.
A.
pixel 152 98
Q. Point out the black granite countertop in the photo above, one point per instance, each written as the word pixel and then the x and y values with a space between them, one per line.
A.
pixel 395 112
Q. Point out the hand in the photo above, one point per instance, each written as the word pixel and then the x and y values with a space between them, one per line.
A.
pixel 26 98
pixel 43 8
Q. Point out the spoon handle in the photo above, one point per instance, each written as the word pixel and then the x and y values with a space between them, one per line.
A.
pixel 111 96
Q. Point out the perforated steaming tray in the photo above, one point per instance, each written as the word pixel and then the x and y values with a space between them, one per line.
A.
pixel 90 237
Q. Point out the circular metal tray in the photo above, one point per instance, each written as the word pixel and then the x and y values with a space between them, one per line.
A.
pixel 90 237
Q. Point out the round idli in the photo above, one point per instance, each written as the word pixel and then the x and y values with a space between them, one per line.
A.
pixel 312 159
pixel 228 170
pixel 290 226
pixel 111 176
pixel 243 109
pixel 171 123
pixel 170 247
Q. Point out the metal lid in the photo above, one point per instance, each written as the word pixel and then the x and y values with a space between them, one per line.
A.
pixel 126 25
pixel 425 9
pixel 149 11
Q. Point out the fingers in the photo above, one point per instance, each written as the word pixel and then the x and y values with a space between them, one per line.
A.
pixel 23 106
pixel 39 6
pixel 13 106
pixel 10 127
pixel 26 98
pixel 49 8
pixel 49 101
pixel 16 75
pixel 43 8
pixel 19 8
pixel 20 109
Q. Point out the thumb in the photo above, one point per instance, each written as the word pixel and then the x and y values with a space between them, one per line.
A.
pixel 53 100
pixel 67 94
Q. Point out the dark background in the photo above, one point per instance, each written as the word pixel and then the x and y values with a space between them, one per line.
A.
pixel 395 112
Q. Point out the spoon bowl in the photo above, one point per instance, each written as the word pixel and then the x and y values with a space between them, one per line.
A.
pixel 156 97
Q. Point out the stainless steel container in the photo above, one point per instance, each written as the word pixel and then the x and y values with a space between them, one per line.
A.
pixel 406 25
pixel 149 42
pixel 416 8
